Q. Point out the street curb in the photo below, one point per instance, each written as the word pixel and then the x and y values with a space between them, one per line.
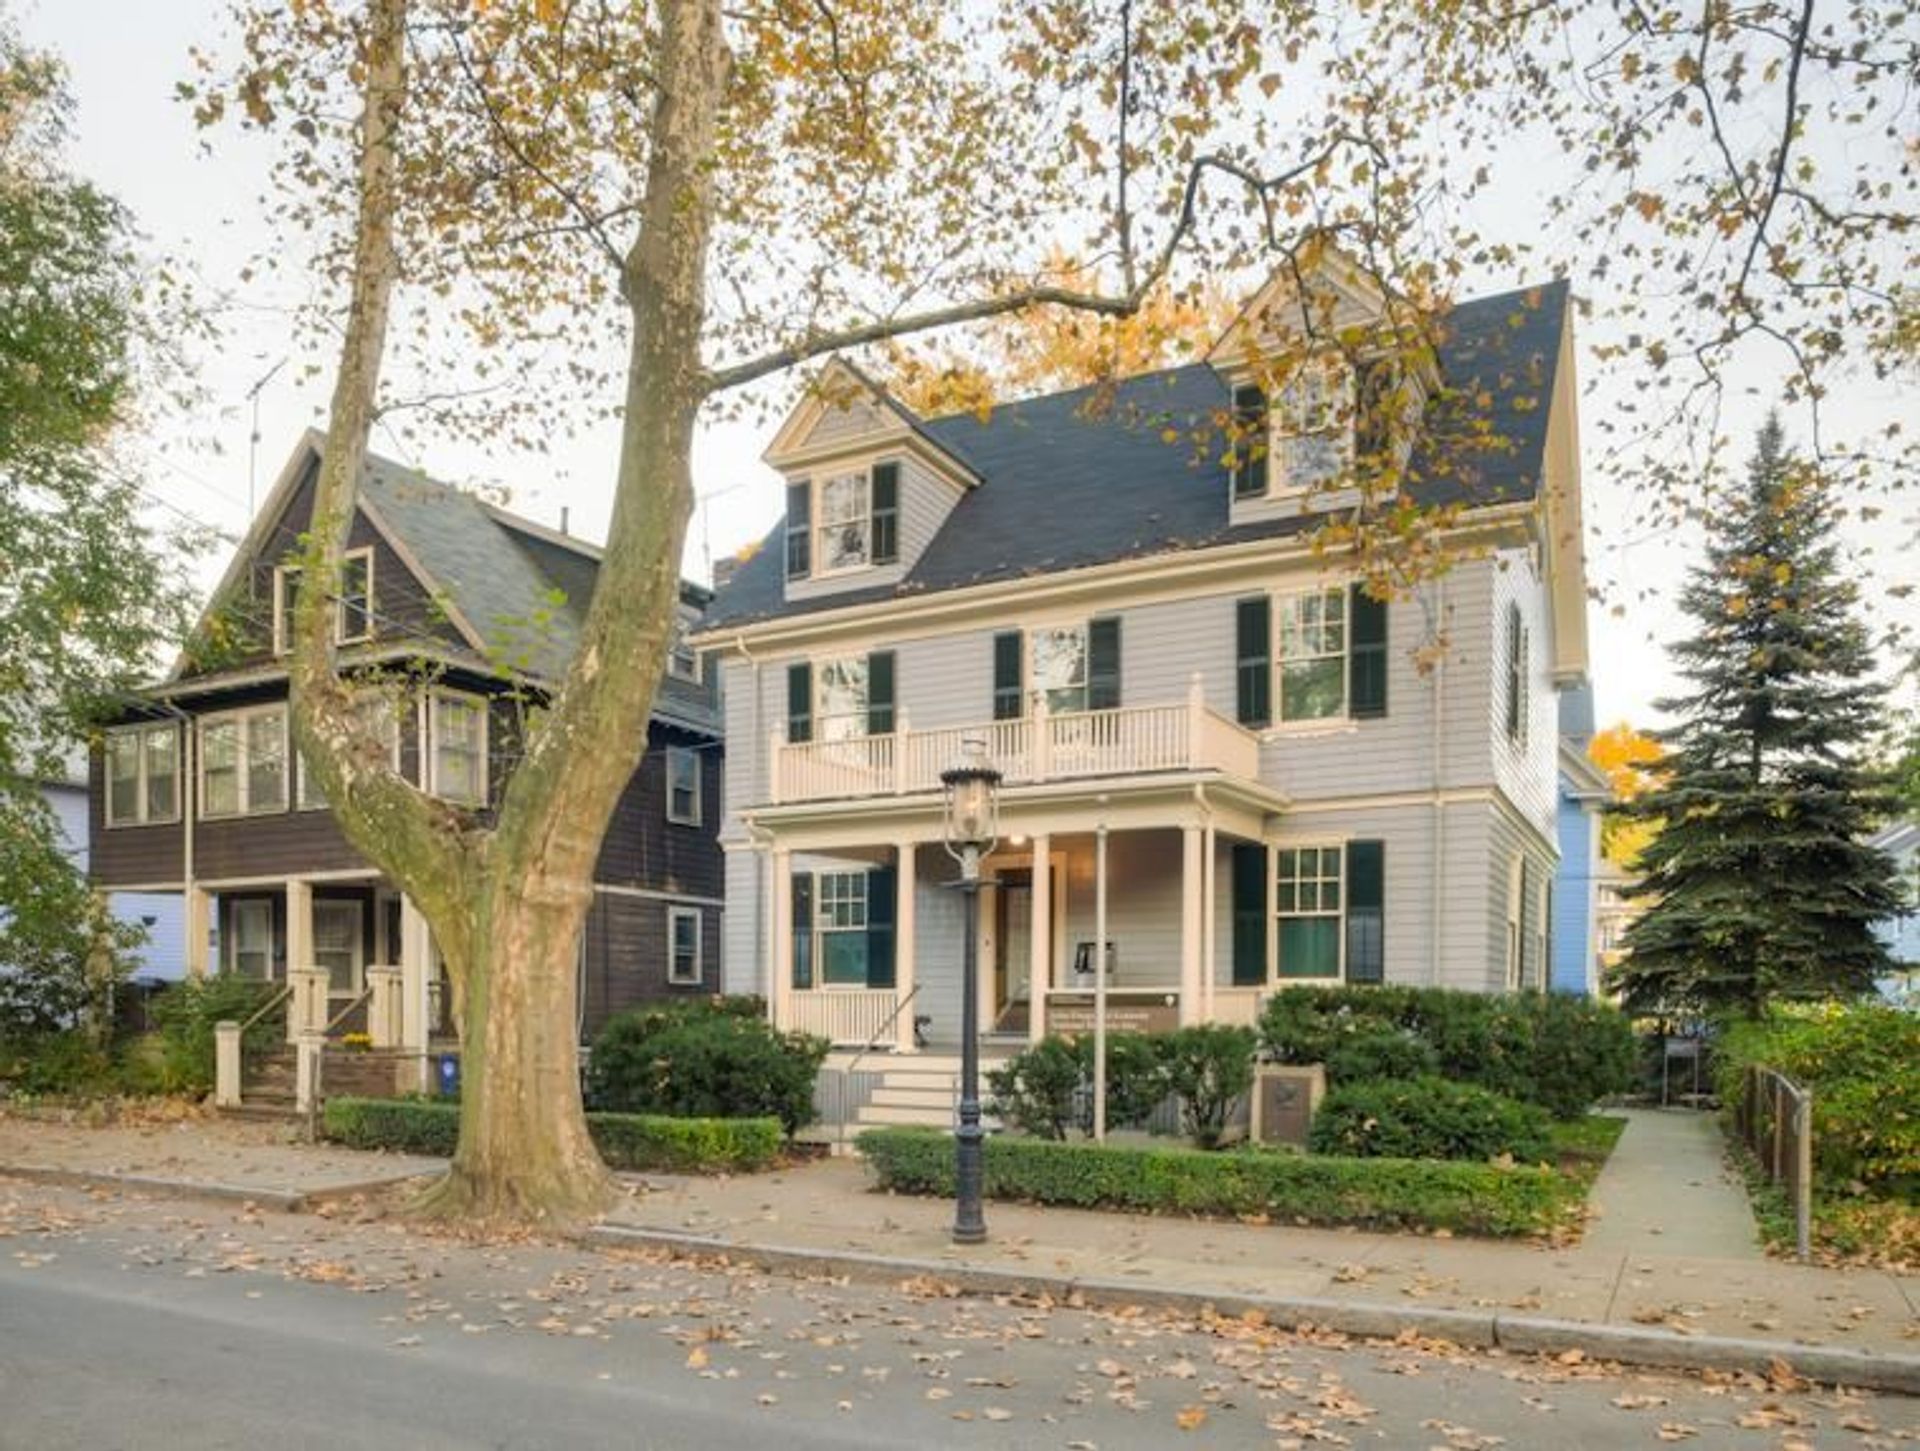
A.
pixel 290 1200
pixel 1480 1329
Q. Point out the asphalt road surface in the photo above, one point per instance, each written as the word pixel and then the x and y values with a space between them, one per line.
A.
pixel 129 1322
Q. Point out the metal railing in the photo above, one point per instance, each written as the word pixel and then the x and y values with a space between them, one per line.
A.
pixel 844 1075
pixel 1775 1120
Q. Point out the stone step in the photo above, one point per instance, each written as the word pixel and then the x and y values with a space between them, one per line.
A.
pixel 881 1113
pixel 898 1095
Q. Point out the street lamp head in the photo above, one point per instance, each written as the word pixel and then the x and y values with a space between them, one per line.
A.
pixel 972 801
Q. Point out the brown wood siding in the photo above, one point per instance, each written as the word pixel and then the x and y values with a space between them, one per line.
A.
pixel 625 958
pixel 129 855
pixel 644 849
pixel 404 608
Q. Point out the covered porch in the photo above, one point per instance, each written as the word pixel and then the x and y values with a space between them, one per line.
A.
pixel 867 934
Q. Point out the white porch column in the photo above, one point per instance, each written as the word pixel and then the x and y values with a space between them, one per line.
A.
pixel 1209 921
pixel 1190 908
pixel 905 872
pixel 780 990
pixel 1040 937
pixel 383 1006
pixel 299 943
pixel 416 962
pixel 199 914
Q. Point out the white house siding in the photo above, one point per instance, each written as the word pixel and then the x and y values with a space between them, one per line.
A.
pixel 846 421
pixel 742 963
pixel 1511 836
pixel 1526 769
pixel 925 501
pixel 1143 906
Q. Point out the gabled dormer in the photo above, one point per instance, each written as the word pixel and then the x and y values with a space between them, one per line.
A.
pixel 1319 370
pixel 867 487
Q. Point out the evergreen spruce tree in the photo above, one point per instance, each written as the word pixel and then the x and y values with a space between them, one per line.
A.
pixel 1759 886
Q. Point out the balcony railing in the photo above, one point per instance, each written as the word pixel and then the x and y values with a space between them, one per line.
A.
pixel 1043 746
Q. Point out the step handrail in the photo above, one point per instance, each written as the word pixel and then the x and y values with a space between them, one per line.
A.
pixel 274 999
pixel 846 1073
pixel 340 1017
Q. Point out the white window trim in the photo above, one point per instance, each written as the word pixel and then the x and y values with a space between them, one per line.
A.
pixel 243 783
pixel 819 525
pixel 1309 724
pixel 140 733
pixel 821 930
pixel 1516 943
pixel 432 756
pixel 676 915
pixel 818 670
pixel 1035 691
pixel 300 798
pixel 1279 488
pixel 282 644
pixel 1339 915
pixel 230 939
pixel 359 945
pixel 675 753
pixel 683 662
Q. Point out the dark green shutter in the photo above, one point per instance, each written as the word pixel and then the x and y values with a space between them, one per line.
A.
pixel 1366 911
pixel 880 693
pixel 882 886
pixel 1366 655
pixel 800 701
pixel 799 530
pixel 1253 661
pixel 1514 672
pixel 1007 695
pixel 1249 914
pixel 886 513
pixel 1250 442
pixel 1103 663
pixel 803 930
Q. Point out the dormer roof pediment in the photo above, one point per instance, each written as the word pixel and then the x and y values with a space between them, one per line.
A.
pixel 844 412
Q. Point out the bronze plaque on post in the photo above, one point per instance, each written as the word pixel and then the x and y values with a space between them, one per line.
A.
pixel 1284 1099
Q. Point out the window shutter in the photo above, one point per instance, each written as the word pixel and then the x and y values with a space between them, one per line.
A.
pixel 886 513
pixel 800 701
pixel 880 693
pixel 1366 655
pixel 1253 661
pixel 1007 695
pixel 1527 963
pixel 1250 442
pixel 799 530
pixel 1103 663
pixel 1366 911
pixel 1514 672
pixel 883 885
pixel 1249 914
pixel 803 930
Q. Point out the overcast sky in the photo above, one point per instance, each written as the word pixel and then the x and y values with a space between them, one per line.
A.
pixel 138 142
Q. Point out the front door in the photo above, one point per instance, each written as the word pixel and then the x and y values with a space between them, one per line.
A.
pixel 338 944
pixel 1013 962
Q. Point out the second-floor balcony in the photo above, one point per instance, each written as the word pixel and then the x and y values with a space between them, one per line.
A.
pixel 1044 746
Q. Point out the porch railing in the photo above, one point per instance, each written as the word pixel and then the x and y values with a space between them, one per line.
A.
pixel 1043 746
pixel 843 1016
pixel 1775 1120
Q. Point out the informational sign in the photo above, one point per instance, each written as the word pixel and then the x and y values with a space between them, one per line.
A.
pixel 1071 1014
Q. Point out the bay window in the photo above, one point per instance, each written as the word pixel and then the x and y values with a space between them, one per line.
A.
pixel 379 714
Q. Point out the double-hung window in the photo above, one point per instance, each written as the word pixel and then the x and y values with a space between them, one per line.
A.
pixel 1313 655
pixel 841 698
pixel 1310 427
pixel 846 522
pixel 379 715
pixel 1057 667
pixel 1519 649
pixel 457 755
pixel 683 785
pixel 353 607
pixel 143 774
pixel 1309 903
pixel 843 521
pixel 243 762
pixel 840 904
pixel 683 946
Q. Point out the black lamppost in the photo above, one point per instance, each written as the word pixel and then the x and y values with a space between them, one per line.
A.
pixel 972 825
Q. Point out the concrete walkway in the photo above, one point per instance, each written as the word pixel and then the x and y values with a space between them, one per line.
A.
pixel 1667 1190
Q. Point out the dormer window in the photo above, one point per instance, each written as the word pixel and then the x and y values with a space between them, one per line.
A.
pixel 1298 439
pixel 843 521
pixel 353 609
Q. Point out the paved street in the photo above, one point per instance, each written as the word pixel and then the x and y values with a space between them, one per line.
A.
pixel 132 1322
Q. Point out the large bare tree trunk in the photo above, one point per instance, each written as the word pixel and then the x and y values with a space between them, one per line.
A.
pixel 507 906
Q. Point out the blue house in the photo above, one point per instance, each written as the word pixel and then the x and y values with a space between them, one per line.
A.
pixel 1583 796
pixel 163 956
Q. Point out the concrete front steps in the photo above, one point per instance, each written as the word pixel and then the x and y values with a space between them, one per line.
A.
pixel 914 1089
pixel 267 1088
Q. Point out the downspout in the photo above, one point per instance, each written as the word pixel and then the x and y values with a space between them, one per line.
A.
pixel 1439 834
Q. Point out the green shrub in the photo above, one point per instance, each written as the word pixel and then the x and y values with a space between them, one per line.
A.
pixel 1380 1053
pixel 1136 1077
pixel 67 1063
pixel 1210 1067
pixel 1558 1051
pixel 1382 1193
pixel 704 1059
pixel 1428 1118
pixel 1035 1090
pixel 184 1017
pixel 1862 1062
pixel 642 1142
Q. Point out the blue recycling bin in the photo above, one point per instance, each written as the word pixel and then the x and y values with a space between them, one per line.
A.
pixel 449 1075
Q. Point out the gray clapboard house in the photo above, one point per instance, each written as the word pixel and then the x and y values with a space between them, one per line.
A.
pixel 1299 782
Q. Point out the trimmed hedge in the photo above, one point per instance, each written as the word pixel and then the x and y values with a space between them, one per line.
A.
pixel 1385 1193
pixel 1429 1118
pixel 626 1141
pixel 1559 1051
pixel 704 1058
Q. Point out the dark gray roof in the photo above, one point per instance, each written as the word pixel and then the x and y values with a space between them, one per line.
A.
pixel 524 590
pixel 1066 485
